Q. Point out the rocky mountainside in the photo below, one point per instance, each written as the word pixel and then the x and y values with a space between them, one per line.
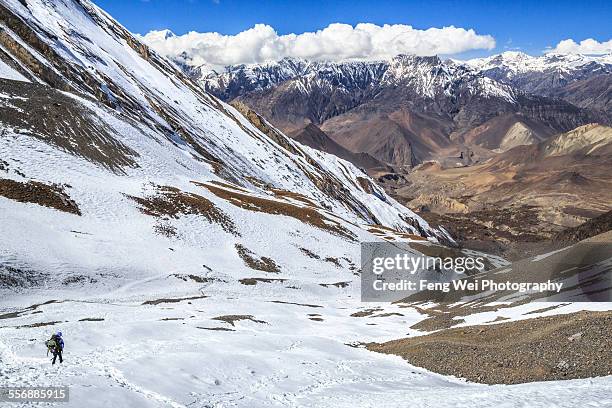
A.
pixel 314 137
pixel 584 81
pixel 77 56
pixel 400 111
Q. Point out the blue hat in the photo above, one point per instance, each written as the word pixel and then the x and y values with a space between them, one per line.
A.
pixel 59 334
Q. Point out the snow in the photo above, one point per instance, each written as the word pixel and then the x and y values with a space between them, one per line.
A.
pixel 9 73
pixel 546 255
pixel 516 66
pixel 518 62
pixel 528 311
pixel 134 358
pixel 427 76
pixel 222 136
pixel 108 262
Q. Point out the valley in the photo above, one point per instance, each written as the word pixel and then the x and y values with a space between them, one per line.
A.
pixel 198 236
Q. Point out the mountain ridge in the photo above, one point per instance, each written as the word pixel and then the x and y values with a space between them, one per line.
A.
pixel 455 98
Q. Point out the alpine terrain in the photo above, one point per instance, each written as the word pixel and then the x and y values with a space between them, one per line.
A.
pixel 409 109
pixel 193 255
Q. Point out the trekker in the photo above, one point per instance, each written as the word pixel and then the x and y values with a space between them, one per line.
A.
pixel 56 346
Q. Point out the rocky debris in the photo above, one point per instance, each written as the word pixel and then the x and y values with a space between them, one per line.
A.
pixel 510 232
pixel 309 253
pixel 52 196
pixel 592 227
pixel 216 328
pixel 56 118
pixel 254 281
pixel 366 312
pixel 14 277
pixel 337 284
pixel 295 304
pixel 231 319
pixel 41 324
pixel 172 300
pixel 78 279
pixel 171 202
pixel 562 347
pixel 165 229
pixel 194 278
pixel 305 214
pixel 263 263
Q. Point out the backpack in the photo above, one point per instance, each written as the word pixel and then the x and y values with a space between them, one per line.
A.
pixel 51 344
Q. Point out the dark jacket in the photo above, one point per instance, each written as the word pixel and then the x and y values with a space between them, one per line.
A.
pixel 59 342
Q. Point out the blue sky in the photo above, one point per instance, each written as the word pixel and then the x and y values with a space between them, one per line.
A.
pixel 528 25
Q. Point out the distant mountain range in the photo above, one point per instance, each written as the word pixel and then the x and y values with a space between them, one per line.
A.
pixel 409 109
pixel 585 81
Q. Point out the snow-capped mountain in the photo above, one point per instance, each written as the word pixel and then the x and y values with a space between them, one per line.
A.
pixel 400 111
pixel 110 155
pixel 512 66
pixel 85 53
pixel 583 80
pixel 426 75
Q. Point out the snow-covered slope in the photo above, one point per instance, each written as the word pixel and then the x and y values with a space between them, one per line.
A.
pixel 122 182
pixel 75 47
pixel 110 155
pixel 191 255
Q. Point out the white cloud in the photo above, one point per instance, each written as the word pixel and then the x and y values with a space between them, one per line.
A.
pixel 588 46
pixel 334 43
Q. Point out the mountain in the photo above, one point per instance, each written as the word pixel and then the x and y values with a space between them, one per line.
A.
pixel 117 167
pixel 507 131
pixel 526 194
pixel 401 111
pixel 582 80
pixel 190 252
pixel 115 86
pixel 314 137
